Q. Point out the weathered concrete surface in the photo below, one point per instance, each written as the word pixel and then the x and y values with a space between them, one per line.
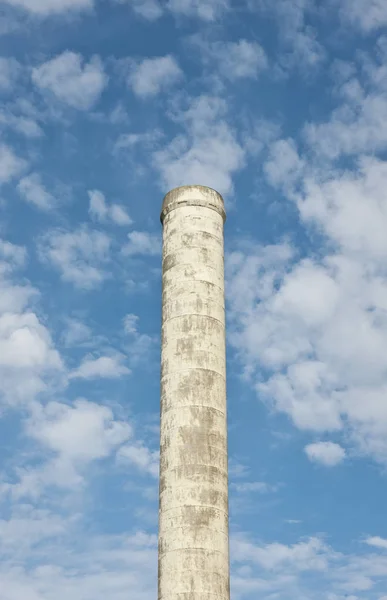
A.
pixel 193 515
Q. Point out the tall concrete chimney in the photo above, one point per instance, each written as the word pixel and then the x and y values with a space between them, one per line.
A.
pixel 193 509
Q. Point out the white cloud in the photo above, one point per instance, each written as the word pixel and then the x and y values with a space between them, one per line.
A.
pixel 100 211
pixel 28 358
pixel 142 243
pixel 236 60
pixel 109 367
pixel 68 439
pixel 132 140
pixel 73 562
pixel 15 256
pixel 76 332
pixel 25 343
pixel 298 43
pixel 9 71
pixel 351 209
pixel 207 152
pixel 130 324
pixel 252 486
pixel 97 207
pixel 366 15
pixel 153 75
pixel 351 129
pixel 141 457
pixel 83 432
pixel 325 357
pixel 307 568
pixel 358 123
pixel 377 542
pixel 33 191
pixel 148 9
pixel 28 526
pixel 72 81
pixel 283 165
pixel 78 255
pixel 49 7
pixel 308 555
pixel 119 216
pixel 10 164
pixel 317 326
pixel 24 125
pixel 139 345
pixel 328 454
pixel 207 10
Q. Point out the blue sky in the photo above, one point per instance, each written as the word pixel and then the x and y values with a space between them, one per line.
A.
pixel 282 107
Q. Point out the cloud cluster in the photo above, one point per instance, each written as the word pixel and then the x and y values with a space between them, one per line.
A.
pixel 44 8
pixel 100 211
pixel 366 15
pixel 312 331
pixel 233 61
pixel 71 80
pixel 328 454
pixel 79 255
pixel 10 164
pixel 73 563
pixel 205 10
pixel 206 151
pixel 110 367
pixel 152 75
pixel 9 71
pixel 309 568
pixel 28 355
pixel 298 44
pixel 33 191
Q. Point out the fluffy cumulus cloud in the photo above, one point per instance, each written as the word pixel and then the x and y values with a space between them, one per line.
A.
pixel 298 43
pixel 71 80
pixel 318 323
pixel 9 71
pixel 141 457
pixel 29 360
pixel 312 325
pixel 206 151
pixel 233 60
pixel 142 243
pixel 102 565
pixel 44 8
pixel 33 191
pixel 139 346
pixel 78 255
pixel 252 486
pixel 25 343
pixel 23 125
pixel 76 332
pixel 207 10
pixel 279 569
pixel 377 542
pixel 148 9
pixel 151 76
pixel 100 211
pixel 11 165
pixel 109 367
pixel 82 432
pixel 242 59
pixel 328 454
pixel 366 16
